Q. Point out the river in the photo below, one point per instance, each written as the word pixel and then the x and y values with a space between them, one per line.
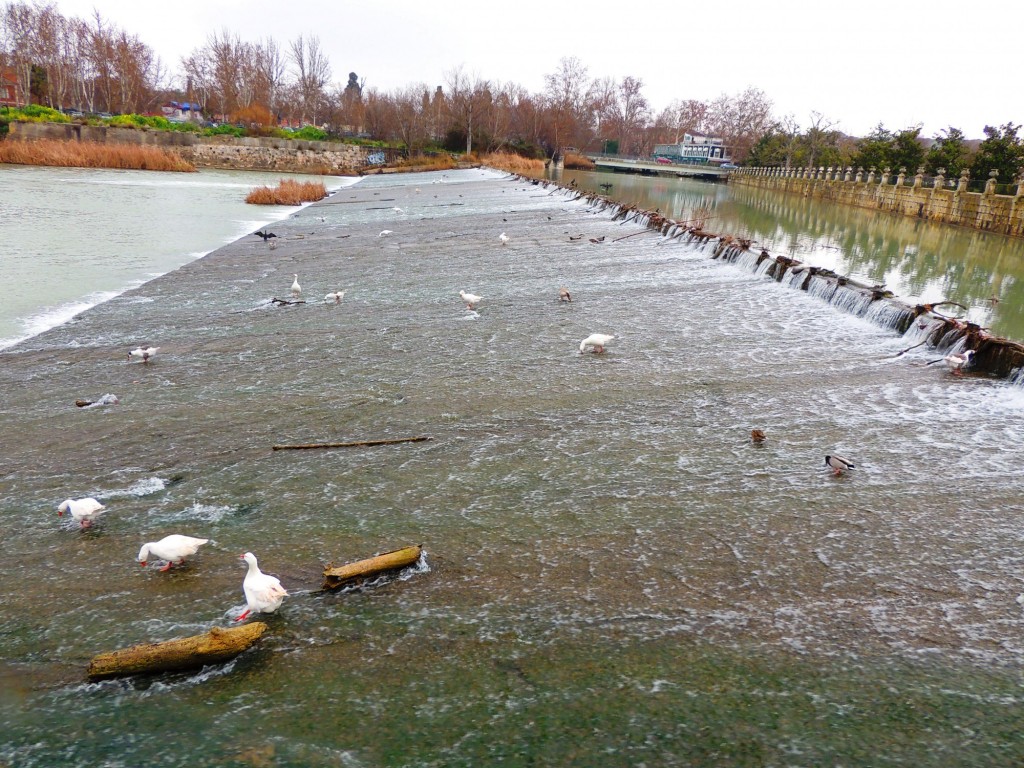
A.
pixel 614 573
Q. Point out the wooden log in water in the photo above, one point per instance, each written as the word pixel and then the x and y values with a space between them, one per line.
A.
pixel 213 647
pixel 389 561
pixel 358 443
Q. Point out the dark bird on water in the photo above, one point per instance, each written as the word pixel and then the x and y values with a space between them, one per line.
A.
pixel 757 435
pixel 597 239
pixel 264 234
pixel 578 237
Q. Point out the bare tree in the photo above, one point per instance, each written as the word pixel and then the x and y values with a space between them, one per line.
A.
pixel 313 72
pixel 568 100
pixel 467 100
pixel 740 120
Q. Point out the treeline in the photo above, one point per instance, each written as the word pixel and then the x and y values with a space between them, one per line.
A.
pixel 821 145
pixel 94 66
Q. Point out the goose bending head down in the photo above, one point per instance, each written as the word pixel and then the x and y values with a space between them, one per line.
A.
pixel 173 549
pixel 336 297
pixel 84 511
pixel 471 299
pixel 596 342
pixel 564 295
pixel 263 592
pixel 296 288
pixel 143 353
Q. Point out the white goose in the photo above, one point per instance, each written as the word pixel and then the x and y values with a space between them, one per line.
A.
pixel 263 592
pixel 839 464
pixel 336 297
pixel 471 299
pixel 296 288
pixel 174 549
pixel 957 362
pixel 384 233
pixel 84 511
pixel 596 342
pixel 143 353
pixel 504 238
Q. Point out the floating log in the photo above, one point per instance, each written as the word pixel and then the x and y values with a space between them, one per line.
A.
pixel 358 443
pixel 213 647
pixel 389 561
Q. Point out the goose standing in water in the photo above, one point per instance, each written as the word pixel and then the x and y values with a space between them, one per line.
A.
pixel 596 342
pixel 143 353
pixel 564 295
pixel 336 297
pixel 471 299
pixel 504 238
pixel 174 549
pixel 296 288
pixel 957 362
pixel 84 511
pixel 263 592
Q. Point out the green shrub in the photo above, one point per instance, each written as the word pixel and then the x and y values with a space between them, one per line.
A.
pixel 308 133
pixel 225 130
pixel 33 113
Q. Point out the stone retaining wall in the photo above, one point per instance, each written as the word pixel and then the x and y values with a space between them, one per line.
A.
pixel 286 155
pixel 980 210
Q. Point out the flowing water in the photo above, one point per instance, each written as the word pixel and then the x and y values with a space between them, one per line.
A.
pixel 614 573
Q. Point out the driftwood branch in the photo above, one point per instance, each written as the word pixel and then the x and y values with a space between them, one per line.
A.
pixel 903 352
pixel 389 561
pixel 358 443
pixel 215 646
pixel 284 302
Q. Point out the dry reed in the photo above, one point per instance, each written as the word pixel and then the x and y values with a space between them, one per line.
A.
pixel 90 154
pixel 513 163
pixel 288 192
pixel 438 162
pixel 578 162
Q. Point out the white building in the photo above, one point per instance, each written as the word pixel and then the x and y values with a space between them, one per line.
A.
pixel 694 149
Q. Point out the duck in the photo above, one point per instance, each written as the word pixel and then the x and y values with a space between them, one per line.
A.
pixel 838 464
pixel 144 353
pixel 384 233
pixel 84 511
pixel 296 288
pixel 174 549
pixel 504 238
pixel 564 295
pixel 757 435
pixel 596 341
pixel 471 299
pixel 336 297
pixel 957 362
pixel 263 592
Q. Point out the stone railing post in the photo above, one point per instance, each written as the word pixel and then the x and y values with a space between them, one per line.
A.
pixel 1020 186
pixel 965 176
pixel 871 175
pixel 849 173
pixel 885 175
pixel 828 174
pixel 990 185
pixel 860 175
pixel 940 178
pixel 919 178
pixel 902 176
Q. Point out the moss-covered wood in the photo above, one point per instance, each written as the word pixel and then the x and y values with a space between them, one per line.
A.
pixel 389 561
pixel 215 646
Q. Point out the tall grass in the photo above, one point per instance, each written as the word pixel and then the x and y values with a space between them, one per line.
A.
pixel 439 162
pixel 90 154
pixel 509 161
pixel 288 192
pixel 578 162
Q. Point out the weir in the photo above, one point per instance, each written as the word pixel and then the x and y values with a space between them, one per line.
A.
pixel 919 323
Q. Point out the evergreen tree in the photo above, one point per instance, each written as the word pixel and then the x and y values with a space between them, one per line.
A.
pixel 949 152
pixel 1002 151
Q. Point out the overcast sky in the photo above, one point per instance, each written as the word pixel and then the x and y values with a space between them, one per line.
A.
pixel 938 63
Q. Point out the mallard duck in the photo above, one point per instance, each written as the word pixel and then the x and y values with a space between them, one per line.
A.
pixel 839 464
